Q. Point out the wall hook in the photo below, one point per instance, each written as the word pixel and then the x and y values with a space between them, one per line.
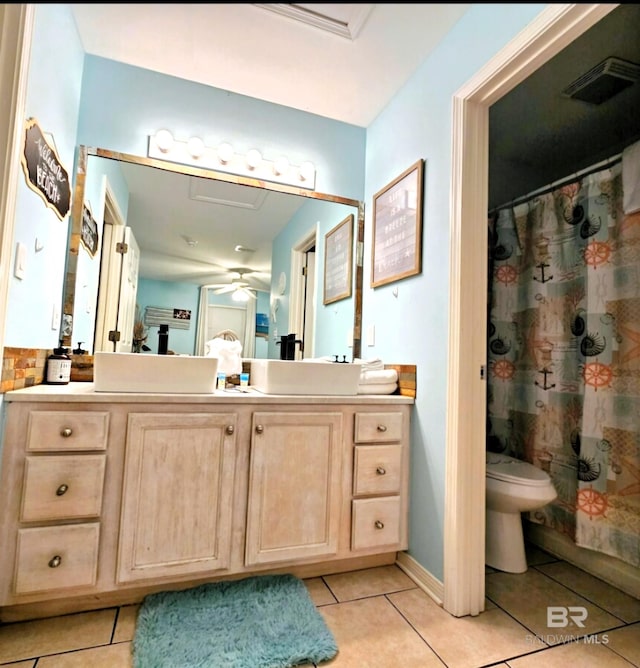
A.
pixel 395 292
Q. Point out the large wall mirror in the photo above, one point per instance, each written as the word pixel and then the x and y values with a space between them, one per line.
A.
pixel 147 235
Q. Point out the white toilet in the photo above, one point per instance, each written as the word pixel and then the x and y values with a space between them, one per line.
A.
pixel 513 487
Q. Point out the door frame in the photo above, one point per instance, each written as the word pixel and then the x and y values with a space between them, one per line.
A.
pixel 16 30
pixel 464 514
pixel 111 260
pixel 297 287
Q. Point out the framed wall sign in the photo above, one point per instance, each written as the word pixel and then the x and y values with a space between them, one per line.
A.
pixel 338 260
pixel 44 171
pixel 89 232
pixel 397 228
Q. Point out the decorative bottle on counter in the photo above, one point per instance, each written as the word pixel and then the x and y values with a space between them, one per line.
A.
pixel 58 367
pixel 163 339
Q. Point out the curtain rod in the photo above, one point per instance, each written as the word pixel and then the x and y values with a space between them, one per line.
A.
pixel 604 164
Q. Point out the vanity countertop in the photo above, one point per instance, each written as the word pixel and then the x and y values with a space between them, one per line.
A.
pixel 84 392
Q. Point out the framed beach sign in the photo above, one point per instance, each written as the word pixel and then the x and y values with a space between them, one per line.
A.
pixel 397 228
pixel 89 231
pixel 338 259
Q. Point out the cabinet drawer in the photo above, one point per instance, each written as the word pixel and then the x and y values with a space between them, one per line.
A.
pixel 375 523
pixel 62 487
pixel 378 427
pixel 59 557
pixel 60 430
pixel 377 469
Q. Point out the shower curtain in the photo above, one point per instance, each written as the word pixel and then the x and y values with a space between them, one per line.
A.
pixel 564 355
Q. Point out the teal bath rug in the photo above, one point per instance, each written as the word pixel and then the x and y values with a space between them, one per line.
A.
pixel 266 621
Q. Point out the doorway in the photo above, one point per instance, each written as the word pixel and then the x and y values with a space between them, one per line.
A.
pixel 303 282
pixel 116 309
pixel 464 521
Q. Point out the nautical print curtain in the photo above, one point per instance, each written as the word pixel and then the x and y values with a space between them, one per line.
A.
pixel 564 355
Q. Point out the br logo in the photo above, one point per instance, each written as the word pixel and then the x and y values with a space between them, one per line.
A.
pixel 558 616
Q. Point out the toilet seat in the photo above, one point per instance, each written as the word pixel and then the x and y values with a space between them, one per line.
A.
pixel 510 469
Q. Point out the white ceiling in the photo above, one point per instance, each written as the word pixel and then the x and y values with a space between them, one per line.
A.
pixel 254 51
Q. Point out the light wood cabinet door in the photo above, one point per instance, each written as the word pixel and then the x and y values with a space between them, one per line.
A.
pixel 176 510
pixel 294 487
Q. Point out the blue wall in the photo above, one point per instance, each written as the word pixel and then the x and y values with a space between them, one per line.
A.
pixel 412 327
pixel 122 105
pixel 333 322
pixel 53 99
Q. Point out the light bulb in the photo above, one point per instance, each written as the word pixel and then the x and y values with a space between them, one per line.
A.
pixel 254 157
pixel 307 171
pixel 164 140
pixel 240 296
pixel 225 153
pixel 196 147
pixel 280 166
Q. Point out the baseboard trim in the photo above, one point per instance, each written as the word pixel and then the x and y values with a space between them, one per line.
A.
pixel 422 577
pixel 613 571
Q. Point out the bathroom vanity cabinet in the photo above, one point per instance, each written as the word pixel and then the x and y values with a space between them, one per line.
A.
pixel 107 497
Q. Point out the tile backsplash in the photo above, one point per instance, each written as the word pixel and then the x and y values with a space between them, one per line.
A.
pixel 23 367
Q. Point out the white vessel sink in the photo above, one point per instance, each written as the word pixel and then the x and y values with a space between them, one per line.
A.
pixel 300 377
pixel 143 372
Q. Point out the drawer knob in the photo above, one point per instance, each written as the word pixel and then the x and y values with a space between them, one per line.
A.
pixel 230 429
pixel 62 490
pixel 259 429
pixel 382 427
pixel 54 562
pixel 378 524
pixel 380 470
pixel 66 432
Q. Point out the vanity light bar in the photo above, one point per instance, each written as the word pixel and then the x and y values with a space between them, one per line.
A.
pixel 195 152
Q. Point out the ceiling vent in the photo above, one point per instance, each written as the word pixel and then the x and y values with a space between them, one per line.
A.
pixel 603 81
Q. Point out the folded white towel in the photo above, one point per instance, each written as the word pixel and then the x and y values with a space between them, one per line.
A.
pixel 377 376
pixel 370 365
pixel 377 388
pixel 631 178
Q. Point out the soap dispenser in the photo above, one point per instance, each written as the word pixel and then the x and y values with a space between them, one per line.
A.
pixel 163 340
pixel 59 367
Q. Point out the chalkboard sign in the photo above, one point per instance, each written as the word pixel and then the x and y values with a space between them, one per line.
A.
pixel 397 228
pixel 89 233
pixel 44 171
pixel 338 258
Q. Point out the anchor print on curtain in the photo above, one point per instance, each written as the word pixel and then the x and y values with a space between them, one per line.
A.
pixel 564 355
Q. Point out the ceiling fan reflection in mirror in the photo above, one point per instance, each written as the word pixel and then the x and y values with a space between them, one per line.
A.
pixel 239 288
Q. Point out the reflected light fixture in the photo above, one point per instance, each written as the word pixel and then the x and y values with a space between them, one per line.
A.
pixel 224 158
pixel 240 296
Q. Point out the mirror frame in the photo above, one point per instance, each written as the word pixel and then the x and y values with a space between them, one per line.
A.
pixel 83 154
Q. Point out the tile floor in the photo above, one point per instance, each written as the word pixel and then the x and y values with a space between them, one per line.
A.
pixel 381 619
